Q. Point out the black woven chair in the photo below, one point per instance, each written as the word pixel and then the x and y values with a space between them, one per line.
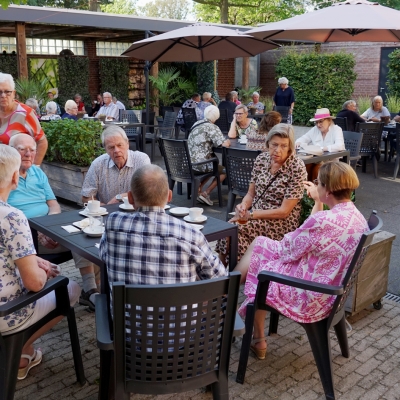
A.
pixel 134 134
pixel 168 338
pixel 370 145
pixel 239 166
pixel 223 122
pixel 11 345
pixel 317 332
pixel 189 119
pixel 164 109
pixel 342 122
pixel 284 111
pixel 180 168
pixel 352 142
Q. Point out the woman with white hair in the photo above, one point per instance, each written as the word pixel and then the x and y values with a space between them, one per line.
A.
pixel 71 110
pixel 51 112
pixel 202 138
pixel 284 96
pixel 256 103
pixel 377 112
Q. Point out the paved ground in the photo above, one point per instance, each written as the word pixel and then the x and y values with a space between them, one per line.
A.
pixel 289 371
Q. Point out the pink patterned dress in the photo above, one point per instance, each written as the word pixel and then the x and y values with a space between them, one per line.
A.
pixel 320 251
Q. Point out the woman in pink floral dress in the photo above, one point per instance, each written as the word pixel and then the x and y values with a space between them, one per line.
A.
pixel 320 251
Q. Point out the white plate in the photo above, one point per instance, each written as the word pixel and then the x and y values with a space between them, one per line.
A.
pixel 102 211
pixel 196 221
pixel 198 227
pixel 84 223
pixel 124 207
pixel 89 232
pixel 167 207
pixel 179 211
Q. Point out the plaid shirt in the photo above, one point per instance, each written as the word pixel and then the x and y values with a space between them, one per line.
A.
pixel 149 247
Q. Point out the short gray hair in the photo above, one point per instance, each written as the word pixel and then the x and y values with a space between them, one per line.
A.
pixel 283 80
pixel 51 106
pixel 207 95
pixel 242 106
pixel 32 103
pixel 113 131
pixel 284 131
pixel 211 113
pixel 15 139
pixel 10 161
pixel 348 103
pixel 108 94
pixel 234 93
pixel 256 94
pixel 70 104
pixel 8 79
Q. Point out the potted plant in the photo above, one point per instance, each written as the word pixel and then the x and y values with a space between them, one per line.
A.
pixel 73 145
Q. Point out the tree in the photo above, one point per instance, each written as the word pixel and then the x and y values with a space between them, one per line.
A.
pixel 317 4
pixel 120 7
pixel 172 9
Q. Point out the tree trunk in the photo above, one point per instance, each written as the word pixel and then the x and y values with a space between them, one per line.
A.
pixel 224 11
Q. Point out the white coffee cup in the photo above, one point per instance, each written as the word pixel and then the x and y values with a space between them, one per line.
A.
pixel 93 206
pixel 126 202
pixel 86 116
pixel 195 213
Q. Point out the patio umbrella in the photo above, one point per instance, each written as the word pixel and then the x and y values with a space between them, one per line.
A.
pixel 351 20
pixel 198 43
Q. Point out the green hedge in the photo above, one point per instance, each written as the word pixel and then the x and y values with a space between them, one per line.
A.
pixel 318 80
pixel 205 79
pixel 8 64
pixel 394 73
pixel 114 77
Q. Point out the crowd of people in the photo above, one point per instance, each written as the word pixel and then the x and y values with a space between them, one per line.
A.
pixel 149 246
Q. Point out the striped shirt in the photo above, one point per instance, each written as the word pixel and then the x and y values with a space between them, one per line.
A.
pixel 110 111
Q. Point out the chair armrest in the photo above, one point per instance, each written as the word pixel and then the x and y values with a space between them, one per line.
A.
pixel 213 159
pixel 265 276
pixel 104 341
pixel 30 297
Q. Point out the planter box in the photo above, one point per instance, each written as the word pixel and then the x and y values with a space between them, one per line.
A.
pixel 372 280
pixel 65 179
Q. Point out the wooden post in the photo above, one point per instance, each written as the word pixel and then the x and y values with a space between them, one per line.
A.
pixel 154 92
pixel 245 73
pixel 22 60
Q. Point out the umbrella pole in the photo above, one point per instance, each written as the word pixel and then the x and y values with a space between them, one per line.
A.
pixel 147 67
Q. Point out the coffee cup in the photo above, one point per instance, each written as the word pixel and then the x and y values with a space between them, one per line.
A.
pixel 195 213
pixel 86 116
pixel 93 206
pixel 126 202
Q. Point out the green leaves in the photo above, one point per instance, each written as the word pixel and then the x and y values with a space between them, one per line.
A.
pixel 114 77
pixel 206 79
pixel 394 73
pixel 30 87
pixel 8 63
pixel 246 94
pixel 73 142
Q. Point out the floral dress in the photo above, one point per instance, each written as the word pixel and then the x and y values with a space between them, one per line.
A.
pixel 270 191
pixel 320 251
pixel 15 242
pixel 253 126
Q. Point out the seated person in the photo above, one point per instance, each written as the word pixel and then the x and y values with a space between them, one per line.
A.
pixel 80 103
pixel 228 104
pixel 202 138
pixel 235 98
pixel 50 97
pixel 256 103
pixel 21 270
pixel 256 140
pixel 118 103
pixel 32 103
pixel 207 101
pixel 157 248
pixel 34 198
pixel 271 206
pixel 349 111
pixel 241 125
pixel 109 109
pixel 71 110
pixel 325 134
pixel 377 112
pixel 51 112
pixel 109 175
pixel 97 104
pixel 190 103
pixel 307 253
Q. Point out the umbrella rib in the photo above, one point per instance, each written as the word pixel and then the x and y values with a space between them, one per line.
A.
pixel 272 34
pixel 240 47
pixel 330 34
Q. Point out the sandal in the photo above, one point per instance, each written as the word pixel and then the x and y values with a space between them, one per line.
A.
pixel 260 353
pixel 33 360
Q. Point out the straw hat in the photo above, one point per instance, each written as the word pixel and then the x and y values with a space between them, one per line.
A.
pixel 322 113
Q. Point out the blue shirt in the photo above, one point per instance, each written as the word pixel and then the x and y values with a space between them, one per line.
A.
pixel 32 193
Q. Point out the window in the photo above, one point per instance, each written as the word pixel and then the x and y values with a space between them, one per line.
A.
pixel 111 48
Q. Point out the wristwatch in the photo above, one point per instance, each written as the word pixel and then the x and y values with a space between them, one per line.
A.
pixel 118 197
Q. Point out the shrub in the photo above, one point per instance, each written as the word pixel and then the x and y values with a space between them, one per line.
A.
pixel 394 73
pixel 363 103
pixel 245 95
pixel 8 64
pixel 73 142
pixel 318 80
pixel 393 103
pixel 114 77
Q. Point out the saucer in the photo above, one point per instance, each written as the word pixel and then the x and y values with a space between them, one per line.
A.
pixel 199 220
pixel 179 211
pixel 89 232
pixel 102 211
pixel 197 227
pixel 167 207
pixel 126 208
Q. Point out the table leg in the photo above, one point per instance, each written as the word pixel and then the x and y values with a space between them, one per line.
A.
pixel 233 250
pixel 144 138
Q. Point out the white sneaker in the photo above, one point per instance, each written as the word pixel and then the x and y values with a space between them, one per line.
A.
pixel 206 199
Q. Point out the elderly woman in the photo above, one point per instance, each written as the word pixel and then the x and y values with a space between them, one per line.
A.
pixel 241 125
pixel 256 139
pixel 202 138
pixel 80 104
pixel 207 101
pixel 18 118
pixel 51 112
pixel 32 103
pixel 271 206
pixel 377 112
pixel 256 102
pixel 325 134
pixel 71 110
pixel 284 96
pixel 320 251
pixel 235 97
pixel 21 271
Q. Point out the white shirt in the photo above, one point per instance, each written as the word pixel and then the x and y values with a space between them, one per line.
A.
pixel 333 139
pixel 370 113
pixel 110 111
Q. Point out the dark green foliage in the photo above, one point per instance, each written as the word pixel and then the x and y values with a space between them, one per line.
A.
pixel 206 78
pixel 8 64
pixel 114 77
pixel 73 74
pixel 394 73
pixel 318 80
pixel 73 142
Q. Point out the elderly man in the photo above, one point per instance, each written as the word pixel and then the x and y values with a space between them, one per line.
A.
pixel 118 103
pixel 228 104
pixel 256 102
pixel 150 247
pixel 207 101
pixel 34 198
pixel 110 175
pixel 109 109
pixel 349 111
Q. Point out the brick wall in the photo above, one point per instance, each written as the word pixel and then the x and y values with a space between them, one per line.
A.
pixel 226 77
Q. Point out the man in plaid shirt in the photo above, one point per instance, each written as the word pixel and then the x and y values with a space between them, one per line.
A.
pixel 151 247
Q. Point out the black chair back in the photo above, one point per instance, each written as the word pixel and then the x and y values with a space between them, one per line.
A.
pixel 189 119
pixel 223 121
pixel 131 116
pixel 164 109
pixel 342 122
pixel 284 111
pixel 352 142
pixel 167 128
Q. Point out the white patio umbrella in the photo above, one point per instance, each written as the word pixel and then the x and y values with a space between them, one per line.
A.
pixel 351 20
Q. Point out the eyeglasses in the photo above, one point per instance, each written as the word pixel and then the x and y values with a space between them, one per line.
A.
pixel 6 92
pixel 24 150
pixel 239 113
